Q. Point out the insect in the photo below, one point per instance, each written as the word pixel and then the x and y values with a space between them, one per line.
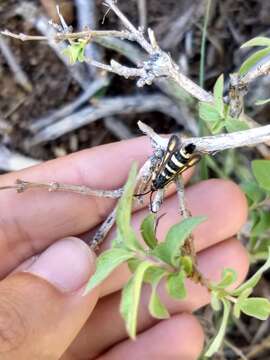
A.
pixel 176 160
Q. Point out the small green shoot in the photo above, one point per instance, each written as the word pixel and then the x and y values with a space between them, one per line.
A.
pixel 237 299
pixel 75 51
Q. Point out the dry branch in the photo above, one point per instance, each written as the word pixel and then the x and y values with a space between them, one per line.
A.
pixel 216 143
pixel 86 15
pixel 105 107
pixel 20 76
pixel 68 109
pixel 118 128
pixel 22 185
pixel 13 161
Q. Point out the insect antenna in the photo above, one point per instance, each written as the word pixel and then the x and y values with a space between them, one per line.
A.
pixel 151 198
pixel 141 194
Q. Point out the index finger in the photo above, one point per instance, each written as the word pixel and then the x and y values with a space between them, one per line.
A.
pixel 38 218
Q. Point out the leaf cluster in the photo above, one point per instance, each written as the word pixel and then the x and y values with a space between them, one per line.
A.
pixel 149 261
pixel 75 51
pixel 237 300
pixel 257 192
pixel 216 115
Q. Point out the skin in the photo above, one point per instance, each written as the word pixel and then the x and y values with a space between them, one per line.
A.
pixel 44 270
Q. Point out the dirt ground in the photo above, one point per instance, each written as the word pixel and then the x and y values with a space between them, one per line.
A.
pixel 231 23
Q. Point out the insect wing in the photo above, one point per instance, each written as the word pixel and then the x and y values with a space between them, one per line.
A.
pixel 173 145
pixel 193 160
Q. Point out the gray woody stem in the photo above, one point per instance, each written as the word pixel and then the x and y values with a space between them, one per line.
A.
pixel 212 144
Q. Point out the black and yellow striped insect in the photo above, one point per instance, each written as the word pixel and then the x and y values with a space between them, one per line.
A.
pixel 176 160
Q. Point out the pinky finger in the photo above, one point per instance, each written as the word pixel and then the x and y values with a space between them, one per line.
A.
pixel 178 338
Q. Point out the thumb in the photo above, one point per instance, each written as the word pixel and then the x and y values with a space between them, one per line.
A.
pixel 42 308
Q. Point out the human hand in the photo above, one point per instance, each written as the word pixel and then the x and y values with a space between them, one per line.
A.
pixel 43 314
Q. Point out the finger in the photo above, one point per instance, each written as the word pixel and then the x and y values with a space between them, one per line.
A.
pixel 106 327
pixel 42 308
pixel 52 216
pixel 180 337
pixel 223 204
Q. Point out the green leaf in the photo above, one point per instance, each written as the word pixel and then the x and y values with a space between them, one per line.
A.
pixel 253 60
pixel 170 250
pixel 124 207
pixel 148 231
pixel 262 102
pixel 236 310
pixel 131 298
pixel 218 95
pixel 123 214
pixel 175 284
pixel 216 127
pixel 253 192
pixel 208 112
pixel 256 307
pixel 106 263
pixel 229 276
pixel 257 41
pixel 155 306
pixel 244 295
pixel 215 301
pixel 186 264
pixel 133 263
pixel 252 282
pixel 261 171
pixel 75 51
pixel 262 223
pixel 216 343
pixel 233 125
pixel 153 273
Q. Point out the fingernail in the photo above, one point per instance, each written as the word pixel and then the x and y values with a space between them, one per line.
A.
pixel 67 264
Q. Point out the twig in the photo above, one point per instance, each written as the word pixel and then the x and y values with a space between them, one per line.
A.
pixel 118 128
pixel 262 331
pixel 138 35
pixel 159 63
pixel 86 14
pixel 175 30
pixel 166 85
pixel 93 88
pixel 157 201
pixel 22 185
pixel 235 349
pixel 189 246
pixel 20 76
pixel 13 161
pixel 123 47
pixel 103 231
pixel 262 68
pixel 142 13
pixel 256 350
pixel 236 95
pixel 181 197
pixel 105 107
pixel 213 144
pixel 57 37
pixel 31 14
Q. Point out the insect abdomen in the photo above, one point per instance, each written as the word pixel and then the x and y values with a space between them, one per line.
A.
pixel 174 165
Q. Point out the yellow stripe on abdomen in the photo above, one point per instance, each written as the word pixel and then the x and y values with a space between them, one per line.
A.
pixel 176 162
